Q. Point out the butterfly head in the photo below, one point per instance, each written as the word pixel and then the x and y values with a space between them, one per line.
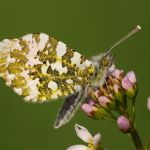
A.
pixel 106 60
pixel 102 61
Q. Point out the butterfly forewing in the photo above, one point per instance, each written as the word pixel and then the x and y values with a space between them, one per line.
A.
pixel 40 68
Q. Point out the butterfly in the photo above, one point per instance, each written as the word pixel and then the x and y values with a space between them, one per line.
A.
pixel 41 68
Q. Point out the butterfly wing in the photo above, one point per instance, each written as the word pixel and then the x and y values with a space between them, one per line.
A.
pixel 69 108
pixel 41 68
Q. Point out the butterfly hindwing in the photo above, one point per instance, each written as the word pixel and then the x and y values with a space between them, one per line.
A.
pixel 68 109
pixel 41 68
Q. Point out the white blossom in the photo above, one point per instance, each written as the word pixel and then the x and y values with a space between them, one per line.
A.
pixel 86 136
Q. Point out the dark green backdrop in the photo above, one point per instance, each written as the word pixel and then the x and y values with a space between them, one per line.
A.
pixel 88 26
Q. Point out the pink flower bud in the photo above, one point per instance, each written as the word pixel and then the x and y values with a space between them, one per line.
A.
pixel 130 88
pixel 118 93
pixel 116 88
pixel 87 108
pixel 93 111
pixel 131 76
pixel 126 83
pixel 91 102
pixel 124 124
pixel 117 73
pixel 96 93
pixel 103 101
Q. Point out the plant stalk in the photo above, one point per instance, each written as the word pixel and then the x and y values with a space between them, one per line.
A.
pixel 136 139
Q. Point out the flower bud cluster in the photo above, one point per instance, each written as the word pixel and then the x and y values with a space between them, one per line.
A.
pixel 112 96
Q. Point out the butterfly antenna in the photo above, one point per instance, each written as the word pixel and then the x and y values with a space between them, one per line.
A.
pixel 135 30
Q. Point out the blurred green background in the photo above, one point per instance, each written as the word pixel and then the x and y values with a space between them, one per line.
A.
pixel 90 27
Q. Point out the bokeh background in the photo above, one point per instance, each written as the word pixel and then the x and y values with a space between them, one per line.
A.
pixel 90 27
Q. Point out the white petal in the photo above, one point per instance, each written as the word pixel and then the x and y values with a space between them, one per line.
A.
pixel 148 103
pixel 83 133
pixel 97 139
pixel 78 147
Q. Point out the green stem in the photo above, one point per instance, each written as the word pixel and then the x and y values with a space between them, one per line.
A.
pixel 133 109
pixel 136 139
pixel 147 144
pixel 112 115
